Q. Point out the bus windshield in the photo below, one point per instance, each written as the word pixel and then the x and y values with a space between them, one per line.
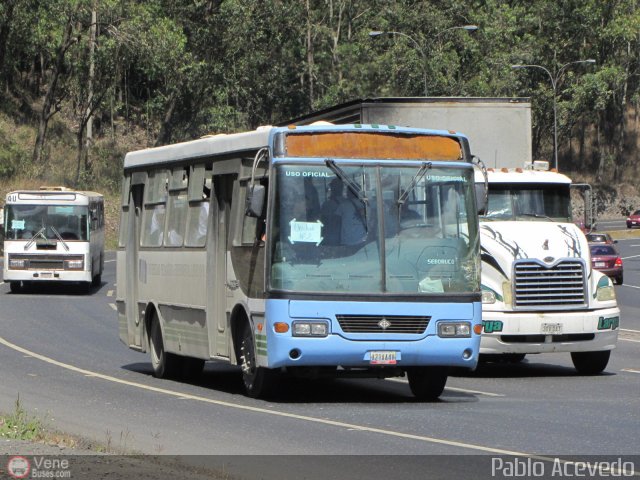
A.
pixel 50 222
pixel 370 229
pixel 526 202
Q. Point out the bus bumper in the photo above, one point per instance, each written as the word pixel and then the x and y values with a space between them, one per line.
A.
pixel 522 332
pixel 355 350
pixel 45 276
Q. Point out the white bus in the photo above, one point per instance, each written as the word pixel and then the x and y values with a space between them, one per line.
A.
pixel 53 235
pixel 317 250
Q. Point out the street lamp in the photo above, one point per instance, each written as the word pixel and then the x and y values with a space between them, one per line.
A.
pixel 554 85
pixel 468 28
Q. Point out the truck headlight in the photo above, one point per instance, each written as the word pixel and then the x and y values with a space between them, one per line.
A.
pixel 310 329
pixel 604 290
pixel 488 296
pixel 454 329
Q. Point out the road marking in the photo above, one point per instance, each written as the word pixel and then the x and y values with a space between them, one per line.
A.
pixel 221 403
pixel 630 286
pixel 632 256
pixel 631 370
pixel 629 330
pixel 305 418
pixel 455 389
pixel 109 261
pixel 113 305
pixel 109 293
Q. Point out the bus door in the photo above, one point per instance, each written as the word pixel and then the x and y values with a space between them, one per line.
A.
pixel 134 317
pixel 217 285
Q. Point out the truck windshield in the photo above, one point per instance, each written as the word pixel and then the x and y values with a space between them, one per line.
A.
pixel 345 228
pixel 526 202
pixel 53 222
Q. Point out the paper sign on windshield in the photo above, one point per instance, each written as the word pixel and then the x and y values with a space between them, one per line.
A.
pixel 310 232
pixel 17 224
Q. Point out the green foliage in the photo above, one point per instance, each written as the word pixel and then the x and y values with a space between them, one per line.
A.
pixel 20 425
pixel 166 71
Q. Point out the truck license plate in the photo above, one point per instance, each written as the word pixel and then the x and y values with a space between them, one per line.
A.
pixel 382 358
pixel 551 328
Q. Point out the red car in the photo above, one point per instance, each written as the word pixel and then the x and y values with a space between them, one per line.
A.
pixel 606 259
pixel 633 220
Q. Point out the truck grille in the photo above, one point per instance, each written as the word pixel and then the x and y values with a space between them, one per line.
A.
pixel 560 286
pixel 383 324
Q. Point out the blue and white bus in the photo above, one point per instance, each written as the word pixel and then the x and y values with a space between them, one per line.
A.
pixel 309 250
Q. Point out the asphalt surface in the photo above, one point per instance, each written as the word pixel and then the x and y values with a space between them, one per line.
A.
pixel 60 353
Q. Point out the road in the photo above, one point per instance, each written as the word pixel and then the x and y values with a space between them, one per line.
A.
pixel 59 352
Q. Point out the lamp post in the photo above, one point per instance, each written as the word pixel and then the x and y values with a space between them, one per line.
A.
pixel 419 48
pixel 554 85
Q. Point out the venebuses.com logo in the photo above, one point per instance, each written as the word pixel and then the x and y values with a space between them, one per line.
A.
pixel 18 467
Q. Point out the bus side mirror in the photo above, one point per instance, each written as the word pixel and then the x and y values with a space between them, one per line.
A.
pixel 255 201
pixel 481 198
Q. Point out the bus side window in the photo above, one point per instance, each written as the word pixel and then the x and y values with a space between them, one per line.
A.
pixel 154 213
pixel 198 217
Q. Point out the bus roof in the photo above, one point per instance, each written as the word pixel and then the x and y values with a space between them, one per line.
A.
pixel 250 141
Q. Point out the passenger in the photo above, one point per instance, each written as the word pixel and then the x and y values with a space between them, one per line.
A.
pixel 353 229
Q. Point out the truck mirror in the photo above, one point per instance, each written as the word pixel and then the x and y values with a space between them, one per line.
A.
pixel 255 201
pixel 481 198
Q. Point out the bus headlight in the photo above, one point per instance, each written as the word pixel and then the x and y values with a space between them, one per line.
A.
pixel 77 264
pixel 454 329
pixel 310 329
pixel 17 263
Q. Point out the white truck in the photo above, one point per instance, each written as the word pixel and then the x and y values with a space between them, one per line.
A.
pixel 540 292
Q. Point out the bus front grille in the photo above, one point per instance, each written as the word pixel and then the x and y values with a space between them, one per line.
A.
pixel 45 262
pixel 383 324
pixel 560 286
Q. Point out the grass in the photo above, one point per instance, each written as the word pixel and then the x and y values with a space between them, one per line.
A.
pixel 19 425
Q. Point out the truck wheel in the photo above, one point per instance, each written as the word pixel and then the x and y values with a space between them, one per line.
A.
pixel 427 383
pixel 258 381
pixel 590 363
pixel 165 364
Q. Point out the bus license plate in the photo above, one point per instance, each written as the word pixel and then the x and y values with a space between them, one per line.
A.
pixel 46 275
pixel 552 328
pixel 600 264
pixel 382 358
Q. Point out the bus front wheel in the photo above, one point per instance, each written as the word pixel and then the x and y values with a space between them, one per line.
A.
pixel 258 381
pixel 165 364
pixel 427 383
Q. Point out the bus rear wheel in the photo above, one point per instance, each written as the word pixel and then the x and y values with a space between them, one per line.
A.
pixel 258 381
pixel 590 363
pixel 427 383
pixel 165 364
pixel 15 287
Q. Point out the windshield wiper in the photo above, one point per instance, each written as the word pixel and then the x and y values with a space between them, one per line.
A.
pixel 64 244
pixel 536 215
pixel 414 181
pixel 39 233
pixel 351 185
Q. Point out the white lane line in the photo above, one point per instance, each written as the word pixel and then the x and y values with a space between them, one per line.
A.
pixel 630 370
pixel 628 340
pixel 109 293
pixel 305 418
pixel 630 286
pixel 629 330
pixel 632 256
pixel 322 421
pixel 455 389
pixel 113 305
pixel 109 261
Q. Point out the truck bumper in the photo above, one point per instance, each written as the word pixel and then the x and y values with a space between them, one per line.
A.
pixel 520 332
